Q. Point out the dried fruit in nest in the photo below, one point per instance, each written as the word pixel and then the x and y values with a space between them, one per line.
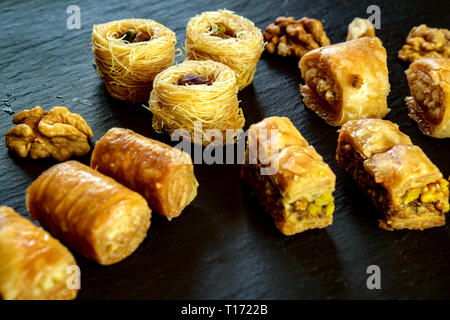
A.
pixel 193 79
pixel 426 42
pixel 290 37
pixel 57 133
pixel 359 28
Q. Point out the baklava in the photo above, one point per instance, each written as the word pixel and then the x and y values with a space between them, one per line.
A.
pixel 429 103
pixel 92 213
pixel 346 81
pixel 33 264
pixel 162 174
pixel 399 178
pixel 298 192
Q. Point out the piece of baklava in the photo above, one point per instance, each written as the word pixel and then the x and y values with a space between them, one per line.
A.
pixel 429 105
pixel 92 213
pixel 33 264
pixel 399 178
pixel 297 192
pixel 346 81
pixel 162 174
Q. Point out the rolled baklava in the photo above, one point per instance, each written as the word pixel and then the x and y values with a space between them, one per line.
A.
pixel 162 174
pixel 298 192
pixel 346 81
pixel 429 105
pixel 33 264
pixel 92 213
pixel 399 178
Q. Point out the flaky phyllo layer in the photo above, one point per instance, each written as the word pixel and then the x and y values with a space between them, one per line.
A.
pixel 399 178
pixel 298 194
pixel 429 103
pixel 346 81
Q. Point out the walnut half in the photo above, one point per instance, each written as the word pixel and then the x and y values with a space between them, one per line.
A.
pixel 290 37
pixel 426 42
pixel 57 133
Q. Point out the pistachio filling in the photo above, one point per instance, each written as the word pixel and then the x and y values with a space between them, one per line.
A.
pixel 431 199
pixel 133 36
pixel 222 31
pixel 318 206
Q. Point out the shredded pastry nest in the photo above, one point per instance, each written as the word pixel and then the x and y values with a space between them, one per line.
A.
pixel 215 106
pixel 240 52
pixel 128 69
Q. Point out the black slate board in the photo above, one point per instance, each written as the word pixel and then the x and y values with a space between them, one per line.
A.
pixel 224 245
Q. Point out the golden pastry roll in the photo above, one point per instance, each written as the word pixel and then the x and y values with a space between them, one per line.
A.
pixel 429 103
pixel 346 81
pixel 401 181
pixel 33 264
pixel 162 174
pixel 298 192
pixel 92 213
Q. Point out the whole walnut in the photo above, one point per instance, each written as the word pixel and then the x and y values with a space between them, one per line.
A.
pixel 57 133
pixel 426 42
pixel 290 37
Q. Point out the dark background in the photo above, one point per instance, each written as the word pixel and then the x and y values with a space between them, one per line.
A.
pixel 224 246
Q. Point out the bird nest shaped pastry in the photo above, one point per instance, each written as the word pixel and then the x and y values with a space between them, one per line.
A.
pixel 213 105
pixel 128 66
pixel 228 38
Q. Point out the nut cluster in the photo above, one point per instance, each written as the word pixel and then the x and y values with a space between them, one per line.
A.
pixel 290 37
pixel 57 133
pixel 426 42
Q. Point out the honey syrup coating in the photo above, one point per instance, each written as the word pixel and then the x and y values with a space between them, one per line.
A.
pixel 162 174
pixel 33 264
pixel 346 81
pixel 90 212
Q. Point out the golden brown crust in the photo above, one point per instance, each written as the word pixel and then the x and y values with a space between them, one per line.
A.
pixel 297 191
pixel 429 106
pixel 399 178
pixel 92 213
pixel 371 136
pixel 33 265
pixel 357 77
pixel 162 174
pixel 402 167
pixel 286 135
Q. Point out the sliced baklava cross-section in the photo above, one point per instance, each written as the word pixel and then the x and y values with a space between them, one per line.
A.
pixel 399 178
pixel 288 176
pixel 429 103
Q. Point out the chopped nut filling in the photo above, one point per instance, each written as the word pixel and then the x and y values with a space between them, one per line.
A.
pixel 427 95
pixel 432 198
pixel 193 79
pixel 322 84
pixel 317 206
